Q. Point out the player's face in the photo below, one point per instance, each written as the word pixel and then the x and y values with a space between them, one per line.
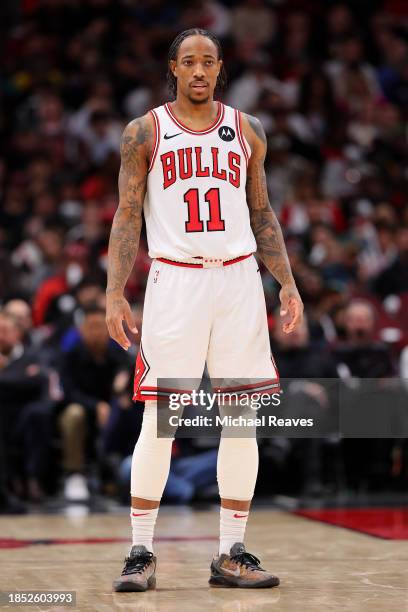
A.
pixel 197 68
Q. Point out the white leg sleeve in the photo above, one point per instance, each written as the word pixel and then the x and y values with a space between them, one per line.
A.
pixel 151 458
pixel 237 464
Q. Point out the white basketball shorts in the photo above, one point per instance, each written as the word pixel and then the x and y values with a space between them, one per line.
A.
pixel 194 316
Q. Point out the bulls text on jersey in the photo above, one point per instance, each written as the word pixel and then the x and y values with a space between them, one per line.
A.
pixel 185 163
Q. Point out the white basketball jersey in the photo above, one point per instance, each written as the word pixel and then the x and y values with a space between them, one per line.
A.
pixel 195 202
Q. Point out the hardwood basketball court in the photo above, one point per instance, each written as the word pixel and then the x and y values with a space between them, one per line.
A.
pixel 321 566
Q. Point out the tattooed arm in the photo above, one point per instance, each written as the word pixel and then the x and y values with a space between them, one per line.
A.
pixel 265 226
pixel 127 224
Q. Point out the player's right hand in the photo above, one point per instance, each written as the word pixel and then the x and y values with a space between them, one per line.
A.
pixel 117 311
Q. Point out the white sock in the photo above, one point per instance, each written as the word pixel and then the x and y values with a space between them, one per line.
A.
pixel 232 528
pixel 143 524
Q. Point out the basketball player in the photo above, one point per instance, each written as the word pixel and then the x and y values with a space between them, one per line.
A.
pixel 195 167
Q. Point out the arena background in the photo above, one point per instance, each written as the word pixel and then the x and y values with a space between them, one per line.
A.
pixel 329 82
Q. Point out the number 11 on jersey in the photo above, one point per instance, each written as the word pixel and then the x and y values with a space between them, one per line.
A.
pixel 194 223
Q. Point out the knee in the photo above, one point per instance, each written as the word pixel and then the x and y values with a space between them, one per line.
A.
pixel 72 415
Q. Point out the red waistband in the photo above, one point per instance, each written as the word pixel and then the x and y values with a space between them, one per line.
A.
pixel 228 262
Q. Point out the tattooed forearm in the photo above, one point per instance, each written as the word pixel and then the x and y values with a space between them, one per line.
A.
pixel 123 245
pixel 265 226
pixel 127 222
pixel 270 244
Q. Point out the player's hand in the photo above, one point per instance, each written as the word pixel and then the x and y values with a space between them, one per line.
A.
pixel 292 305
pixel 117 311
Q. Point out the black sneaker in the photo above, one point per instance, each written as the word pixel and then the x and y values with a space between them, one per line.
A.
pixel 240 569
pixel 139 573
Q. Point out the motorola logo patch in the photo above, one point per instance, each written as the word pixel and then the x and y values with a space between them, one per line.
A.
pixel 226 133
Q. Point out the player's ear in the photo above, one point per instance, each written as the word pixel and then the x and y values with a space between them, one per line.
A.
pixel 173 66
pixel 220 63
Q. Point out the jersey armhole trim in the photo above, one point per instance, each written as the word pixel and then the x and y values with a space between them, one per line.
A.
pixel 156 139
pixel 240 135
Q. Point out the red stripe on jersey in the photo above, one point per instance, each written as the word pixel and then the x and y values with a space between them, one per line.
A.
pixel 240 135
pixel 142 394
pixel 236 260
pixel 248 152
pixel 179 263
pixel 218 120
pixel 264 383
pixel 141 370
pixel 156 139
pixel 275 366
pixel 165 390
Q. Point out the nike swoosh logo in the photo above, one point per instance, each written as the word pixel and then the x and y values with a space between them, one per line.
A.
pixel 240 515
pixel 235 572
pixel 143 514
pixel 167 136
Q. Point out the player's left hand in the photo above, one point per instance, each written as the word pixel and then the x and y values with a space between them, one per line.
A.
pixel 291 303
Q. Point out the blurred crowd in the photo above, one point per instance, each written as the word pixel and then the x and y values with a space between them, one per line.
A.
pixel 328 80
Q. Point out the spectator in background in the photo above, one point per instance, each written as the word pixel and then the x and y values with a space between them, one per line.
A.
pixel 394 279
pixel 297 359
pixel 340 22
pixel 354 80
pixel 102 136
pixel 25 410
pixel 316 103
pixel 246 91
pixel 121 431
pixel 361 354
pixel 39 257
pixel 90 291
pixel 328 254
pixel 20 311
pixel 88 373
pixel 393 47
pixel 377 246
pixel 36 340
pixel 253 20
pixel 368 462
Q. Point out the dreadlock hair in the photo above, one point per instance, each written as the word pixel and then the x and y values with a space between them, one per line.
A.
pixel 173 51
